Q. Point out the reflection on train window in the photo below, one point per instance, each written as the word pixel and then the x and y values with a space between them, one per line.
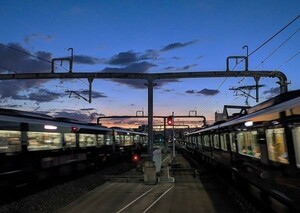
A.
pixel 206 140
pixel 100 140
pixel 216 141
pixel 247 144
pixel 86 140
pixel 199 142
pixel 7 125
pixel 276 145
pixel 117 139
pixel 128 140
pixel 108 140
pixel 137 139
pixel 296 139
pixel 70 139
pixel 121 139
pixel 223 142
pixel 194 142
pixel 232 142
pixel 43 141
pixel 10 141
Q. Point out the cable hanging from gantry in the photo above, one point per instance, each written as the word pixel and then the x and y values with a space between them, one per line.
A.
pixel 89 99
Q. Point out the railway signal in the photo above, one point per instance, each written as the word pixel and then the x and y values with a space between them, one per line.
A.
pixel 170 120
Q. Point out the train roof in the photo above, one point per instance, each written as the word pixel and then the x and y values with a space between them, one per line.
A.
pixel 275 100
pixel 41 118
pixel 270 113
pixel 266 111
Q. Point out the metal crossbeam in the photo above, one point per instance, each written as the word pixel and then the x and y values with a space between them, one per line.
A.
pixel 150 78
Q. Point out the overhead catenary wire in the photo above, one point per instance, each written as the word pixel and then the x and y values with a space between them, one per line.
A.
pixel 279 47
pixel 27 53
pixel 288 60
pixel 259 47
pixel 267 41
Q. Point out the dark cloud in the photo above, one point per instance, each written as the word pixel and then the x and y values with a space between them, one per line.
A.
pixel 272 92
pixel 95 94
pixel 149 54
pixel 16 58
pixel 170 68
pixel 203 92
pixel 187 67
pixel 200 57
pixel 10 106
pixel 168 90
pixel 159 83
pixel 190 92
pixel 209 92
pixel 88 109
pixel 84 59
pixel 142 67
pixel 72 114
pixel 124 58
pixel 36 36
pixel 43 95
pixel 11 88
pixel 177 45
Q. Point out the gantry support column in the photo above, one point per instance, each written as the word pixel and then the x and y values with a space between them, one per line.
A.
pixel 149 165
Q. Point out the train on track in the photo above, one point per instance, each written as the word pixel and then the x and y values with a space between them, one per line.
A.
pixel 39 148
pixel 258 152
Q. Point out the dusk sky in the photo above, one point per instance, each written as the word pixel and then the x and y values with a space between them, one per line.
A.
pixel 147 37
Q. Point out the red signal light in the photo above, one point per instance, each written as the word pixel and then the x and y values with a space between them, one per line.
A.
pixel 135 157
pixel 170 120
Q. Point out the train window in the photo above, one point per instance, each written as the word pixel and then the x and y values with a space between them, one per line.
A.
pixel 108 140
pixel 248 144
pixel 276 145
pixel 206 140
pixel 100 140
pixel 121 140
pixel 216 141
pixel 7 125
pixel 118 139
pixel 43 141
pixel 70 139
pixel 296 139
pixel 199 142
pixel 128 140
pixel 10 141
pixel 232 142
pixel 194 142
pixel 86 140
pixel 223 142
pixel 137 139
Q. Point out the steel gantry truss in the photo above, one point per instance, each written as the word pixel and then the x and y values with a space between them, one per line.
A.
pixel 151 78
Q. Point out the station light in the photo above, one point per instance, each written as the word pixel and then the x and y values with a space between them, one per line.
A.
pixel 248 123
pixel 74 129
pixel 51 127
pixel 170 120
